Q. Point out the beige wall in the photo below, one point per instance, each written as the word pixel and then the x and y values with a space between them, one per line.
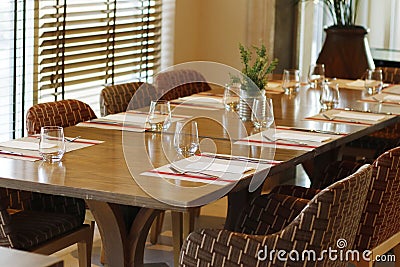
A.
pixel 209 30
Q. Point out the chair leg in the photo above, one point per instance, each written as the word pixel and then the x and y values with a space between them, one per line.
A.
pixel 102 255
pixel 85 247
pixel 156 228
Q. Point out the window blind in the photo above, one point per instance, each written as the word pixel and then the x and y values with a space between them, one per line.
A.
pixel 16 61
pixel 84 45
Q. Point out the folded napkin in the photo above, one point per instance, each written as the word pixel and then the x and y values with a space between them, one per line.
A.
pixel 128 118
pixel 394 98
pixel 301 137
pixel 358 116
pixel 356 83
pixel 393 89
pixel 24 145
pixel 202 99
pixel 215 167
pixel 273 85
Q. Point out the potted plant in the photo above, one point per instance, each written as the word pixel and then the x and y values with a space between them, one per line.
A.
pixel 345 53
pixel 254 76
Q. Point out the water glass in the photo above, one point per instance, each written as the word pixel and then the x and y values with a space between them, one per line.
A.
pixel 186 138
pixel 262 114
pixel 231 97
pixel 291 81
pixel 373 81
pixel 329 94
pixel 316 75
pixel 52 143
pixel 159 117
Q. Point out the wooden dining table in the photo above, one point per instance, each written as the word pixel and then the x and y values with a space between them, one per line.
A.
pixel 109 175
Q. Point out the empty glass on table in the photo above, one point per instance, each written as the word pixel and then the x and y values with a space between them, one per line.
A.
pixel 291 81
pixel 262 114
pixel 316 75
pixel 186 138
pixel 329 94
pixel 52 143
pixel 231 97
pixel 373 81
pixel 159 117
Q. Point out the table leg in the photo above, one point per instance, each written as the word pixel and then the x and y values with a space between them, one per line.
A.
pixel 177 238
pixel 237 202
pixel 123 244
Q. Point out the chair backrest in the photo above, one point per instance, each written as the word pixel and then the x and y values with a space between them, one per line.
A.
pixel 179 83
pixel 391 75
pixel 381 215
pixel 116 98
pixel 62 113
pixel 332 215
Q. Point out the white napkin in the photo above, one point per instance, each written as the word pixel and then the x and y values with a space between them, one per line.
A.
pixel 273 85
pixel 358 116
pixel 301 137
pixel 394 98
pixel 202 99
pixel 217 167
pixel 129 118
pixel 24 145
pixel 356 83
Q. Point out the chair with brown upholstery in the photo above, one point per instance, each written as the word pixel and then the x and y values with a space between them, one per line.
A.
pixel 379 229
pixel 62 113
pixel 117 98
pixel 44 223
pixel 332 215
pixel 179 83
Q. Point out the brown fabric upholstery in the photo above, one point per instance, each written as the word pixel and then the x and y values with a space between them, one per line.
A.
pixel 117 98
pixel 332 214
pixel 180 83
pixel 381 214
pixel 29 219
pixel 391 75
pixel 62 113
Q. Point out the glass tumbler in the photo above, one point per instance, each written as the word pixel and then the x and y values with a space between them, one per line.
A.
pixel 329 94
pixel 316 75
pixel 291 81
pixel 373 81
pixel 186 138
pixel 159 116
pixel 52 143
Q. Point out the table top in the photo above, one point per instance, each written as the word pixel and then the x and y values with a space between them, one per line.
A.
pixel 100 172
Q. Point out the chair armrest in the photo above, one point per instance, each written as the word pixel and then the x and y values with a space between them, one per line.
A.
pixel 295 191
pixel 269 213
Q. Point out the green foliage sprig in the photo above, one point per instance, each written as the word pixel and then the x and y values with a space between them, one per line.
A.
pixel 256 70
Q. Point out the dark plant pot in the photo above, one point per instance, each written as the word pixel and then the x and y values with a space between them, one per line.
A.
pixel 346 53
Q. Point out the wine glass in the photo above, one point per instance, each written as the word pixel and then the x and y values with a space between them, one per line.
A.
pixel 231 97
pixel 316 75
pixel 262 114
pixel 186 138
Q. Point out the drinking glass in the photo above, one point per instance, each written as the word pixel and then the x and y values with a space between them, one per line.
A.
pixel 291 81
pixel 52 143
pixel 159 116
pixel 262 114
pixel 316 75
pixel 373 81
pixel 329 94
pixel 231 97
pixel 186 138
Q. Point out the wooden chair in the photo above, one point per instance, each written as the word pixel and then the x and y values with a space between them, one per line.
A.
pixel 44 223
pixel 179 83
pixel 62 113
pixel 317 225
pixel 117 98
pixel 379 228
pixel 47 223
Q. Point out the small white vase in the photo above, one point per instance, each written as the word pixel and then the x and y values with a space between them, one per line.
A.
pixel 246 102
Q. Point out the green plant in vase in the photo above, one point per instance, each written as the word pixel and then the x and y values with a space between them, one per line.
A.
pixel 254 76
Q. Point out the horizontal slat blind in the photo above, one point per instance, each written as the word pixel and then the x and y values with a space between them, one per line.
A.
pixel 83 45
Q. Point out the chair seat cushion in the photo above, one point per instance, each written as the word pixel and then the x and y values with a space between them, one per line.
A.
pixel 32 228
